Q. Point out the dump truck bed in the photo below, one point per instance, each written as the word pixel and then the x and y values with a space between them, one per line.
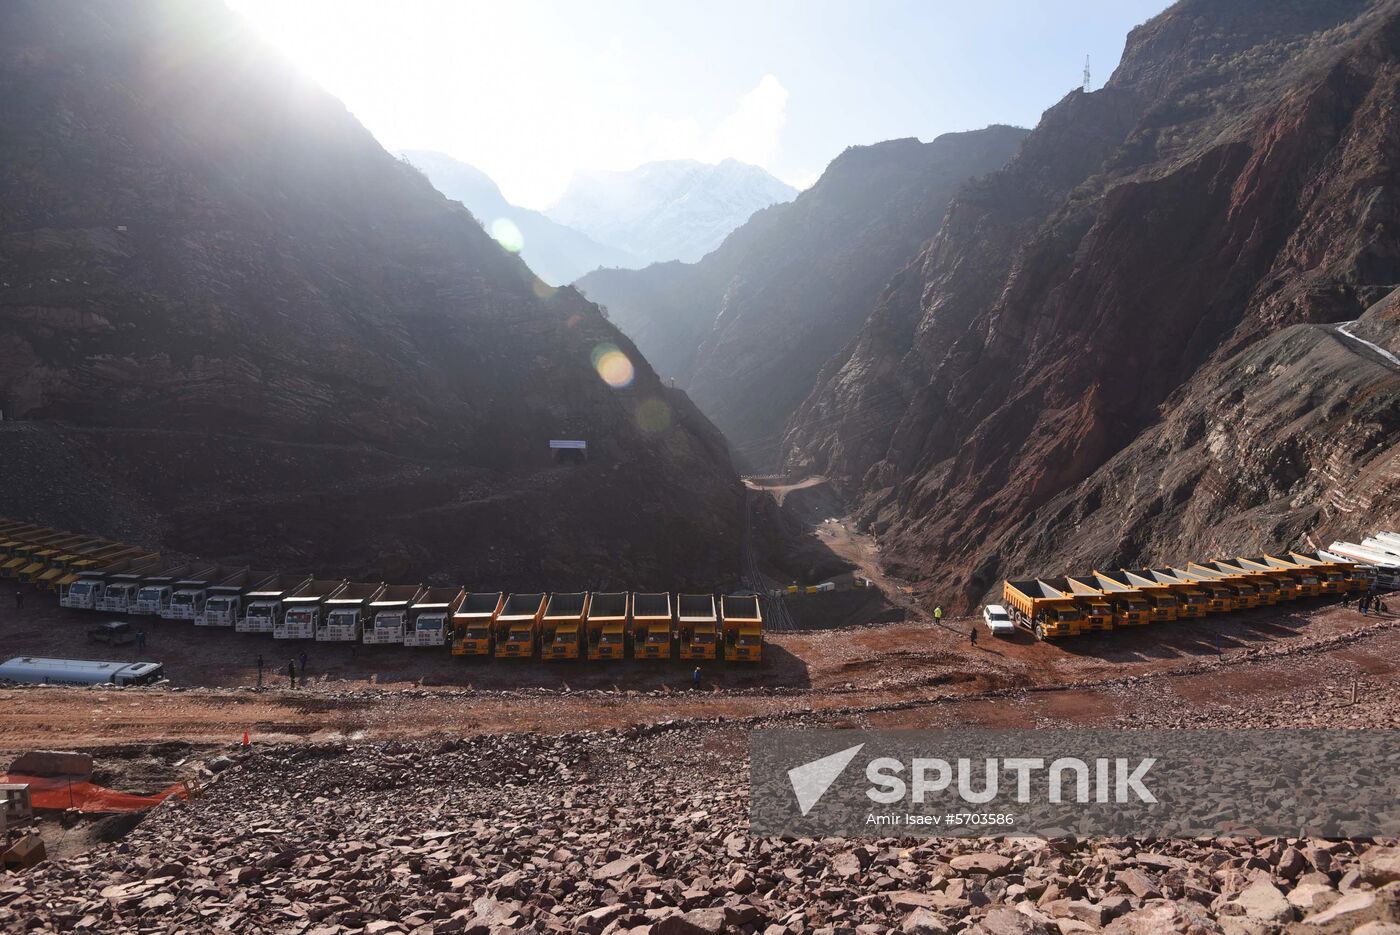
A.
pixel 608 606
pixel 396 595
pixel 736 607
pixel 696 607
pixel 567 606
pixel 480 604
pixel 355 593
pixel 651 605
pixel 520 606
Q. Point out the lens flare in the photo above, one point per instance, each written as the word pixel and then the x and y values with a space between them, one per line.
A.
pixel 653 416
pixel 613 366
pixel 505 233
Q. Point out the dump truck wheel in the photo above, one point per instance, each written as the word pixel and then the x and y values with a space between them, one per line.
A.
pixel 1040 631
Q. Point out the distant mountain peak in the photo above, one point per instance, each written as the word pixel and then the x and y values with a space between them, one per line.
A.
pixel 674 209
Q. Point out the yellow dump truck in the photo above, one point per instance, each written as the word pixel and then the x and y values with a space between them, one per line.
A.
pixel 1334 576
pixel 474 623
pixel 1131 608
pixel 518 626
pixel 1309 581
pixel 741 620
pixel 697 624
pixel 1047 612
pixel 609 617
pixel 561 627
pixel 1191 601
pixel 1221 598
pixel 1098 610
pixel 1269 591
pixel 1246 591
pixel 1291 585
pixel 652 625
pixel 1159 597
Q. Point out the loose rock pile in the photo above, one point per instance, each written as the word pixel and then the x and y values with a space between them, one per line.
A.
pixel 641 831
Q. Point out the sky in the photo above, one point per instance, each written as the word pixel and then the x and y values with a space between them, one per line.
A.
pixel 532 91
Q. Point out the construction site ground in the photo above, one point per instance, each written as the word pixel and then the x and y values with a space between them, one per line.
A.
pixel 910 673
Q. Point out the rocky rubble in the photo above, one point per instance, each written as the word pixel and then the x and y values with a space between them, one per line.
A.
pixel 642 831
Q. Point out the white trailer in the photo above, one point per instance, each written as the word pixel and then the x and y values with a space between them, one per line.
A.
pixel 302 610
pixel 262 607
pixel 344 615
pixel 428 616
pixel 389 612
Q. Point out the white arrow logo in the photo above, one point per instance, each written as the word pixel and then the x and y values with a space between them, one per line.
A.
pixel 811 780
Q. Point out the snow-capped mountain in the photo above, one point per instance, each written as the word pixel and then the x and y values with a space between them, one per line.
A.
pixel 556 253
pixel 673 210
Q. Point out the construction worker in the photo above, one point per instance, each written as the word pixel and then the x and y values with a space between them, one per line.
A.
pixel 695 679
pixel 292 673
pixel 972 635
pixel 938 614
pixel 260 669
pixel 19 599
pixel 140 641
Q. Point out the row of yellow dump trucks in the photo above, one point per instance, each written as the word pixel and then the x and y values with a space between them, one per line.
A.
pixel 90 573
pixel 1130 597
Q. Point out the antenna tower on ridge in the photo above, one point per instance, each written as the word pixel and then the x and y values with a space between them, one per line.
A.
pixel 1086 74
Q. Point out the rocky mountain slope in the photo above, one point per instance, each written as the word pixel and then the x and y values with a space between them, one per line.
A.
pixel 747 329
pixel 231 324
pixel 1113 350
pixel 676 209
pixel 555 253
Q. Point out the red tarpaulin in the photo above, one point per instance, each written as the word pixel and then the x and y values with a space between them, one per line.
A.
pixel 57 792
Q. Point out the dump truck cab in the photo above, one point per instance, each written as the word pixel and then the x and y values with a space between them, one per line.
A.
pixel 118 592
pixel 262 604
pixel 518 626
pixel 653 625
pixel 697 626
pixel 741 620
pixel 1245 589
pixel 86 592
pixel 302 610
pixel 474 623
pixel 1131 608
pixel 189 594
pixel 224 598
pixel 607 625
pixel 388 614
pixel 1191 601
pixel 430 617
pixel 1047 612
pixel 343 614
pixel 561 627
pixel 1096 608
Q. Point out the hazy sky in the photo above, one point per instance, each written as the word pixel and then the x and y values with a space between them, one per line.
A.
pixel 531 90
